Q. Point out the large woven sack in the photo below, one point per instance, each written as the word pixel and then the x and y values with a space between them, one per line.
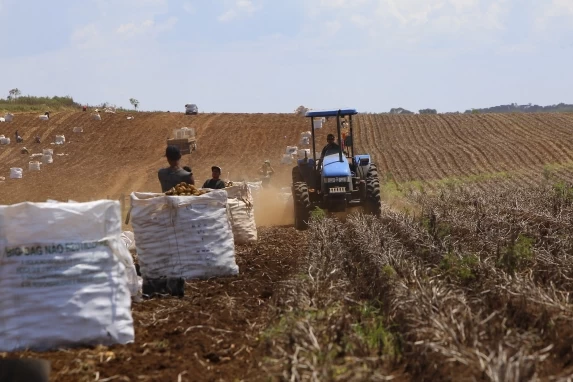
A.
pixel 63 276
pixel 183 236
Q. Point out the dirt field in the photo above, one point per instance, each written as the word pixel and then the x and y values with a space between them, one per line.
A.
pixel 363 300
pixel 434 147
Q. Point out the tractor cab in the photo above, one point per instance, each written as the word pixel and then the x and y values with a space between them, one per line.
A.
pixel 338 178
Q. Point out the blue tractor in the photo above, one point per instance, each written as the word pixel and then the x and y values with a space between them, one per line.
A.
pixel 342 179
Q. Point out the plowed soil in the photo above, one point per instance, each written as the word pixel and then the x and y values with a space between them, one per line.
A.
pixel 116 156
pixel 433 147
pixel 212 333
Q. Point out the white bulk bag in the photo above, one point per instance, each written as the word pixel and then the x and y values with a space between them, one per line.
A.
pixel 9 117
pixel 60 139
pixel 48 152
pixel 15 173
pixel 78 129
pixel 97 117
pixel 4 141
pixel 318 123
pixel 34 166
pixel 47 159
pixel 62 276
pixel 183 236
pixel 291 149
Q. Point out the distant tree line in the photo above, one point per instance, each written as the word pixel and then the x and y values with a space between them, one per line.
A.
pixel 512 108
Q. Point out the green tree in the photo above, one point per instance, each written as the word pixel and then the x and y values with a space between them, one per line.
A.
pixel 134 102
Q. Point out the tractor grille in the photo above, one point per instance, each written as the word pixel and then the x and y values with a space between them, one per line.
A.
pixel 337 190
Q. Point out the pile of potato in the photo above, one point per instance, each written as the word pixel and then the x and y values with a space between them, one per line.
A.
pixel 185 189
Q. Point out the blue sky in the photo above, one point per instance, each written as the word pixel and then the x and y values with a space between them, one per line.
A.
pixel 272 56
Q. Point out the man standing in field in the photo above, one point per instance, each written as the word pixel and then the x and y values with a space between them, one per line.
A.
pixel 173 175
pixel 215 182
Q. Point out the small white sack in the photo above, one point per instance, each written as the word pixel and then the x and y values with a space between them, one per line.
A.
pixel 97 117
pixel 78 129
pixel 291 150
pixel 129 239
pixel 183 236
pixel 242 214
pixel 60 139
pixel 44 117
pixel 4 141
pixel 2 119
pixel 34 166
pixel 47 159
pixel 62 276
pixel 243 221
pixel 255 188
pixel 286 159
pixel 304 141
pixel 131 273
pixel 15 173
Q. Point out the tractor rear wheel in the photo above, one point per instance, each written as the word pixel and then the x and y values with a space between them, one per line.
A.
pixel 296 175
pixel 373 199
pixel 301 200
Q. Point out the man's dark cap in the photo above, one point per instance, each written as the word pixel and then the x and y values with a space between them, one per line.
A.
pixel 330 136
pixel 217 168
pixel 172 153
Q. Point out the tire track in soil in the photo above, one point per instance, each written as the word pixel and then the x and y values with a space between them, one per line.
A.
pixel 401 171
pixel 495 152
pixel 530 136
pixel 518 139
pixel 378 145
pixel 473 144
pixel 549 144
pixel 428 144
pixel 558 142
pixel 449 149
pixel 457 140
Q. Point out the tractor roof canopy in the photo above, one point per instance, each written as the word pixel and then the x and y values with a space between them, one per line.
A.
pixel 330 113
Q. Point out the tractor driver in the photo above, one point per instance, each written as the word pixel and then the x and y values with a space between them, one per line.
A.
pixel 330 148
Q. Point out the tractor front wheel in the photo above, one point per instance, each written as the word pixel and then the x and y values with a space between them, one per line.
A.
pixel 301 200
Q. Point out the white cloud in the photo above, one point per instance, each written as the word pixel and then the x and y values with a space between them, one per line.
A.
pixel 189 7
pixel 556 9
pixel 133 29
pixel 227 16
pixel 238 9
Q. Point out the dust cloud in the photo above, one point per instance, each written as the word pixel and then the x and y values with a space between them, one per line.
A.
pixel 273 207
